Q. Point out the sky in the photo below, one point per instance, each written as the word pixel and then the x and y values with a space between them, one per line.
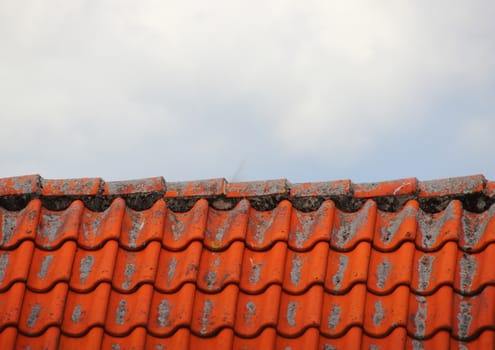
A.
pixel 247 90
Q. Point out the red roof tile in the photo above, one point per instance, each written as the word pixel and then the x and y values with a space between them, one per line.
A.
pixel 257 265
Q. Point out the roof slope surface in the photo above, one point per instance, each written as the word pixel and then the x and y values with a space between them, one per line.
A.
pixel 147 264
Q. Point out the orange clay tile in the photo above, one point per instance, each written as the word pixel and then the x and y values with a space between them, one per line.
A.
pixel 298 312
pixel 47 341
pixel 262 268
pixel 152 184
pixel 434 269
pixel 178 340
pixel 177 268
pixel 344 269
pixel 486 340
pixel 85 310
pixel 223 226
pixel 474 271
pixel 429 313
pixel 8 337
pixel 324 189
pixel 340 312
pixel 392 229
pixel 478 229
pixel 140 227
pixel 265 340
pixel 70 187
pixel 395 340
pixel 440 340
pixel 436 229
pixel 19 185
pixel 387 188
pixel 256 188
pixel 255 312
pixel 135 267
pixel 303 269
pixel 134 340
pixel 11 304
pixel 350 228
pixel 50 267
pixel 98 227
pixel 41 310
pixel 91 340
pixel 222 340
pixel 490 189
pixel 217 269
pixel 267 227
pixel 14 264
pixel 383 313
pixel 91 267
pixel 472 313
pixel 56 227
pixel 182 228
pixel 205 188
pixel 19 226
pixel 308 228
pixel 169 311
pixel 349 341
pixel 212 312
pixel 127 311
pixel 452 186
pixel 308 340
pixel 388 270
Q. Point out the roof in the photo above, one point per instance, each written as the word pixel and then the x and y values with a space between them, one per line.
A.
pixel 88 264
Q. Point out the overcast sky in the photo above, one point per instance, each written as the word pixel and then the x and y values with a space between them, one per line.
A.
pixel 247 90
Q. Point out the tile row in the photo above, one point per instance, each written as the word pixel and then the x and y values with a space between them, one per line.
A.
pixel 217 229
pixel 268 339
pixel 35 184
pixel 254 271
pixel 248 315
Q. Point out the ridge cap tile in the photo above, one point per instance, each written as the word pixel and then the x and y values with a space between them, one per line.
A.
pixel 452 186
pixel 126 187
pixel 324 189
pixel 385 188
pixel 15 185
pixel 206 188
pixel 256 188
pixel 70 187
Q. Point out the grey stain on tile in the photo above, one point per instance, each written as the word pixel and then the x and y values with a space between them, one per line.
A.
pixel 33 315
pixel 329 347
pixel 425 269
pixel 121 312
pixel 417 345
pixel 115 346
pixel 295 272
pixel 86 267
pixel 210 279
pixel 334 317
pixel 4 263
pixel 383 272
pixel 373 347
pixel 171 270
pixel 420 317
pixel 379 313
pixel 432 226
pixel 307 222
pixel 254 277
pixel 177 227
pixel 205 318
pixel 339 275
pixel 164 312
pixel 130 269
pixel 469 265
pixel 387 233
pixel 250 312
pixel 45 265
pixel 464 317
pixel 9 222
pixel 350 223
pixel 136 227
pixel 291 313
pixel 50 226
pixel 76 314
pixel 474 226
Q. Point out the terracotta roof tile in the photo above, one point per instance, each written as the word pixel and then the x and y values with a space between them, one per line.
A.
pixel 399 264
